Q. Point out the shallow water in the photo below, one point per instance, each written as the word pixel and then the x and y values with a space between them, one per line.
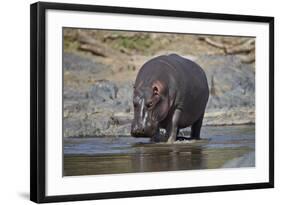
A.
pixel 222 146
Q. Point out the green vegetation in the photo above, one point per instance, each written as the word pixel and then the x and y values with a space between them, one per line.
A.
pixel 138 43
pixel 70 44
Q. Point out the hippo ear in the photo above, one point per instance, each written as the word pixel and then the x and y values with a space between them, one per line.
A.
pixel 155 90
pixel 158 88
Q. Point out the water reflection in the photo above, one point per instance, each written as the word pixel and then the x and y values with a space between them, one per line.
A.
pixel 112 155
pixel 167 158
pixel 145 159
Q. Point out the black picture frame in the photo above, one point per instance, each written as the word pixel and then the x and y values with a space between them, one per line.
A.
pixel 38 100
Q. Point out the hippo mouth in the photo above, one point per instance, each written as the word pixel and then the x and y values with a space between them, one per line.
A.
pixel 147 132
pixel 140 135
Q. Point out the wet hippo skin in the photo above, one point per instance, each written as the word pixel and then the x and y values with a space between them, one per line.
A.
pixel 170 92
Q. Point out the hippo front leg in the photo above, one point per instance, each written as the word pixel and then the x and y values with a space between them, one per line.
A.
pixel 173 127
pixel 156 137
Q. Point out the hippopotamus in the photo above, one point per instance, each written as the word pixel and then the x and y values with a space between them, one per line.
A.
pixel 170 92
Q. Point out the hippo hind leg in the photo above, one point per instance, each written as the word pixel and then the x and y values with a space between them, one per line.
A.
pixel 196 128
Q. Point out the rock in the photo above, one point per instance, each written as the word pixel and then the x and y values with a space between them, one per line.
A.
pixel 231 83
pixel 70 93
pixel 103 90
pixel 72 127
pixel 83 124
pixel 121 118
pixel 234 116
pixel 124 130
pixel 126 91
pixel 74 62
pixel 123 106
pixel 125 95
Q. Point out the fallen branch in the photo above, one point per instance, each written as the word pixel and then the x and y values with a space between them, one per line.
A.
pixel 93 49
pixel 85 39
pixel 248 59
pixel 213 43
pixel 122 35
pixel 88 43
pixel 246 47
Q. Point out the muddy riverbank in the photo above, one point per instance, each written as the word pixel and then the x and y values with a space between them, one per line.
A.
pixel 104 106
pixel 100 66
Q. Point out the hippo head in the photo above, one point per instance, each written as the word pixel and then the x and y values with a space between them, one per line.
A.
pixel 151 106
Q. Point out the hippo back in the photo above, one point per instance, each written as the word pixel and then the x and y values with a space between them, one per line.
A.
pixel 192 91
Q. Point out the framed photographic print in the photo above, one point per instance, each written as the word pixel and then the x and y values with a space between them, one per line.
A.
pixel 129 102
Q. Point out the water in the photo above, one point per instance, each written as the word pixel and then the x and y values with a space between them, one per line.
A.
pixel 222 146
